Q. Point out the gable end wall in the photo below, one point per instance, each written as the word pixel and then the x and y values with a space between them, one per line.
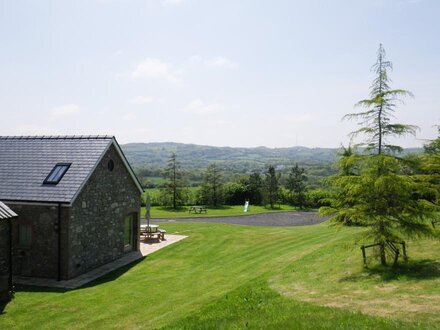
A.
pixel 96 224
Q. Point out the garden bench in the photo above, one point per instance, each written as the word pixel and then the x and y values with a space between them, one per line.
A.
pixel 162 233
pixel 158 233
pixel 152 235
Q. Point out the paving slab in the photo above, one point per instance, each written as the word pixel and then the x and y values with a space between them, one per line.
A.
pixel 146 247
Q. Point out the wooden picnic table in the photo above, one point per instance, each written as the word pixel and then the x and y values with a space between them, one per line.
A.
pixel 152 231
pixel 197 209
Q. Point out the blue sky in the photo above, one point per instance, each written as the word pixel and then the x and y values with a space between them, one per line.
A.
pixel 227 73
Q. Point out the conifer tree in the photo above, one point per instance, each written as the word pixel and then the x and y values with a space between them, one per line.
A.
pixel 174 194
pixel 271 186
pixel 371 189
pixel 296 185
pixel 211 191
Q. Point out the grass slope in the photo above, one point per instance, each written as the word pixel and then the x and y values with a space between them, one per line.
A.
pixel 230 276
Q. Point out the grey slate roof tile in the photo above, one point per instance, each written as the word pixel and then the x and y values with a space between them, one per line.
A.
pixel 26 161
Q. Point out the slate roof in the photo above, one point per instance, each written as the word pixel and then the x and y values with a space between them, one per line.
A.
pixel 26 161
pixel 6 212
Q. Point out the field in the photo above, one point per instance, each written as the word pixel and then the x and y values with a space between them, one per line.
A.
pixel 234 210
pixel 234 277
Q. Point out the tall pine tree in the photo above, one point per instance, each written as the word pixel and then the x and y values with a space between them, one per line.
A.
pixel 211 190
pixel 175 192
pixel 378 195
pixel 296 186
pixel 271 186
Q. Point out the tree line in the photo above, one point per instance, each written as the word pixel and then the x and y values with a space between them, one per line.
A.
pixel 267 188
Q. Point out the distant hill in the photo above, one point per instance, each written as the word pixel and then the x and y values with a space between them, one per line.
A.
pixel 148 159
pixel 196 156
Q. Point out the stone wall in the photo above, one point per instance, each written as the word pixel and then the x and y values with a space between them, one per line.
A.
pixel 97 216
pixel 4 260
pixel 40 258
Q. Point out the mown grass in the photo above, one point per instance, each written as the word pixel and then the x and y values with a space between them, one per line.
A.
pixel 235 277
pixel 161 212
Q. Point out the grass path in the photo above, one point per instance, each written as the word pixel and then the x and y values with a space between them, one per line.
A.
pixel 225 276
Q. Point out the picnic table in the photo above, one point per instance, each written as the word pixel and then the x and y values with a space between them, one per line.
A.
pixel 152 231
pixel 197 209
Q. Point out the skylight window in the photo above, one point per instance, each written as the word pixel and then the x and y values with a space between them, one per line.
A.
pixel 57 173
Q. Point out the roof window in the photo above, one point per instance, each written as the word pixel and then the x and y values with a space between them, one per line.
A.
pixel 57 173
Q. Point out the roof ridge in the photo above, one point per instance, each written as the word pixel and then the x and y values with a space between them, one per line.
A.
pixel 58 137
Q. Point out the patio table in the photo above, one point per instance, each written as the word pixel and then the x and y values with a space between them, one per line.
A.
pixel 153 228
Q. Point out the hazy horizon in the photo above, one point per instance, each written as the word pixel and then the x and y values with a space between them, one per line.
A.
pixel 217 73
pixel 241 147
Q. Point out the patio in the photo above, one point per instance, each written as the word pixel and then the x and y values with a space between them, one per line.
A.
pixel 146 247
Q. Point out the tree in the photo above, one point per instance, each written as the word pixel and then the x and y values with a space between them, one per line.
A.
pixel 371 190
pixel 254 187
pixel 235 192
pixel 430 168
pixel 296 185
pixel 380 107
pixel 271 186
pixel 211 191
pixel 433 147
pixel 174 193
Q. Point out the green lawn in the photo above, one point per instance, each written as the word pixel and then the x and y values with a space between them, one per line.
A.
pixel 234 277
pixel 224 211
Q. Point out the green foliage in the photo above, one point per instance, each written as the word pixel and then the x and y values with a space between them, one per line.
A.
pixel 271 186
pixel 296 186
pixel 245 188
pixel 149 159
pixel 430 168
pixel 211 190
pixel 317 198
pixel 174 194
pixel 375 191
pixel 235 192
pixel 433 147
pixel 381 199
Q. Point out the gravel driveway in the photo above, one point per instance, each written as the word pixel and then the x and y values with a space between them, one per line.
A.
pixel 266 219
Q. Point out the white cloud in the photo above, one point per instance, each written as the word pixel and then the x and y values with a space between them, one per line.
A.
pixel 172 2
pixel 64 111
pixel 153 68
pixel 141 100
pixel 197 106
pixel 221 62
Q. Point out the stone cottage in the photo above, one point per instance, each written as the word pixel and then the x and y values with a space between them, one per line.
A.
pixel 6 216
pixel 78 203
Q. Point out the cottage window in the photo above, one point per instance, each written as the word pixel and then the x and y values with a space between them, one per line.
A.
pixel 57 173
pixel 24 235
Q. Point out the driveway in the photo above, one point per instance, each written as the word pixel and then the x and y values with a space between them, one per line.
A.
pixel 266 219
